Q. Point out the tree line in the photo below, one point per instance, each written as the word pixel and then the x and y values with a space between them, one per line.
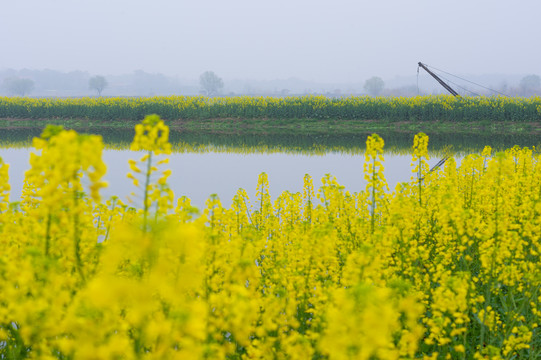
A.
pixel 139 83
pixel 24 84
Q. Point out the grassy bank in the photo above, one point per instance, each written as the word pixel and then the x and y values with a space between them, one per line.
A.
pixel 418 109
pixel 291 126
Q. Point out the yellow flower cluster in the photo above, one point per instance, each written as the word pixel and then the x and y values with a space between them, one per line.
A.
pixel 65 155
pixel 4 185
pixel 152 136
pixel 419 108
pixel 323 273
pixel 373 174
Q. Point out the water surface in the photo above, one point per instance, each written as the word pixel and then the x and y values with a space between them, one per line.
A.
pixel 198 175
pixel 206 164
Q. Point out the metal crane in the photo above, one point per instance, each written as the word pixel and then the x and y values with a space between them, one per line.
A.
pixel 443 83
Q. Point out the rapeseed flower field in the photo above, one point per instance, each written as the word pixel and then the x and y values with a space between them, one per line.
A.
pixel 445 266
pixel 419 108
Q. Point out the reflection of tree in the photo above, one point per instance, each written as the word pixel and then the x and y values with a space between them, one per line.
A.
pixel 210 83
pixel 18 86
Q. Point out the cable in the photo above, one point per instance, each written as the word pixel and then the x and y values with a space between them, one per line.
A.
pixel 471 82
pixel 463 88
pixel 418 91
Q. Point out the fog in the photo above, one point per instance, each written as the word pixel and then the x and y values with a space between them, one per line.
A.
pixel 323 42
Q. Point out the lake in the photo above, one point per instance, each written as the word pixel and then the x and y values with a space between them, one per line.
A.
pixel 222 163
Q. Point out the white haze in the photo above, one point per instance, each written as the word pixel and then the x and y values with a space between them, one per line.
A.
pixel 322 41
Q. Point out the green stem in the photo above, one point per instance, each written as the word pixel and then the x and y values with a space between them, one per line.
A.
pixel 373 206
pixel 147 182
pixel 109 222
pixel 420 178
pixel 76 236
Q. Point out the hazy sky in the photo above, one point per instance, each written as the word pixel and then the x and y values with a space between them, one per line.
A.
pixel 328 41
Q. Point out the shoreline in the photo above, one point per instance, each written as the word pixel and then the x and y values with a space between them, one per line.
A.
pixel 291 126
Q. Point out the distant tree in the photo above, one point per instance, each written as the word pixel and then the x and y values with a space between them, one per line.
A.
pixel 18 86
pixel 210 83
pixel 97 83
pixel 530 84
pixel 374 86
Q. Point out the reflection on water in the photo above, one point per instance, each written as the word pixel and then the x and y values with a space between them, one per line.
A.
pixel 395 142
pixel 221 164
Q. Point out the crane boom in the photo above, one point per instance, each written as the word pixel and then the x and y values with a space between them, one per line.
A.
pixel 443 83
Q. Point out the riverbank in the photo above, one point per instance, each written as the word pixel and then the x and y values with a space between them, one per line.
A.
pixel 418 109
pixel 292 126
